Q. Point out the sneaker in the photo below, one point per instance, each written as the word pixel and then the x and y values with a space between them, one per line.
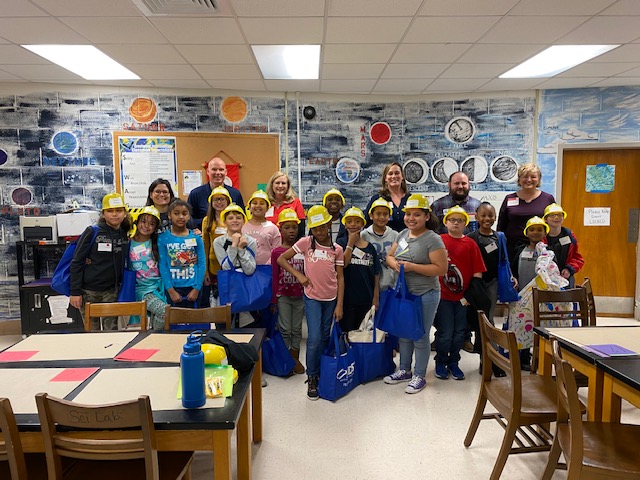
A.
pixel 441 371
pixel 416 384
pixel 456 373
pixel 312 388
pixel 397 377
pixel 468 347
pixel 264 382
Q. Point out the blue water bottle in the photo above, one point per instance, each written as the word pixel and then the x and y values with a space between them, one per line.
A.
pixel 192 371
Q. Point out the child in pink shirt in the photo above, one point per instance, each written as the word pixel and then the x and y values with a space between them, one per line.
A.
pixel 265 233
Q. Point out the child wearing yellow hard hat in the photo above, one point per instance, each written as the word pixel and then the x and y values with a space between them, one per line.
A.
pixel 265 233
pixel 381 236
pixel 563 243
pixel 334 202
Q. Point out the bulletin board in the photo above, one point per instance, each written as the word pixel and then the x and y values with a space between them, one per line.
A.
pixel 257 153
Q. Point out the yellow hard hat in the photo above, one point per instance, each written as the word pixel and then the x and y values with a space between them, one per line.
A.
pixel 220 191
pixel 554 208
pixel 259 194
pixel 536 221
pixel 353 212
pixel 417 200
pixel 460 211
pixel 214 354
pixel 150 210
pixel 232 208
pixel 333 191
pixel 380 202
pixel 288 215
pixel 318 215
pixel 113 200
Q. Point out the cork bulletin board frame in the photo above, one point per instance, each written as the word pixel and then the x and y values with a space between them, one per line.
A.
pixel 257 153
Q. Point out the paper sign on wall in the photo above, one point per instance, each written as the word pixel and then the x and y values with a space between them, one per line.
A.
pixel 597 216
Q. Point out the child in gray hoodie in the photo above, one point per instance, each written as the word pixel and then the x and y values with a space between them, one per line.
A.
pixel 381 237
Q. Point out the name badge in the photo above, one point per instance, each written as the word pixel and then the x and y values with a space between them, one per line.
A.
pixel 104 247
pixel 527 255
pixel 491 247
pixel 138 249
pixel 320 254
pixel 513 202
pixel 190 242
pixel 565 240
pixel 220 231
pixel 402 244
pixel 269 212
pixel 358 253
pixel 463 302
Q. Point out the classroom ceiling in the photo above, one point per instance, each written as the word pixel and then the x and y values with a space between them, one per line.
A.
pixel 379 47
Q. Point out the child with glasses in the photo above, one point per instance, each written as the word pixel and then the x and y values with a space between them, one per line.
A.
pixel 563 243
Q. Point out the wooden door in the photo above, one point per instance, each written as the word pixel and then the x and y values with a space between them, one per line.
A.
pixel 609 251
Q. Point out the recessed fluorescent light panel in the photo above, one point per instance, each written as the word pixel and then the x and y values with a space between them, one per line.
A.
pixel 556 59
pixel 288 62
pixel 84 60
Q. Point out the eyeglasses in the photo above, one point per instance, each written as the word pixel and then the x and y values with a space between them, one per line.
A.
pixel 219 200
pixel 555 215
pixel 161 192
pixel 456 220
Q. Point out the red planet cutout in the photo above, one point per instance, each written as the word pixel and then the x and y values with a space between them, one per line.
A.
pixel 380 133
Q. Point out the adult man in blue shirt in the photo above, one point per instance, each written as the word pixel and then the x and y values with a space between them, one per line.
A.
pixel 458 195
pixel 199 196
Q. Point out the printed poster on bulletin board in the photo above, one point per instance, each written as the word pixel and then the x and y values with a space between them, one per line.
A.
pixel 142 160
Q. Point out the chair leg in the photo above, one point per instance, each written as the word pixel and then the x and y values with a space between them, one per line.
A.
pixel 552 461
pixel 475 421
pixel 505 448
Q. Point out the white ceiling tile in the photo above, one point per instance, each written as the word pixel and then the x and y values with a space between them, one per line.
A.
pixel 476 70
pixel 282 8
pixel 456 84
pixel 8 77
pixel 347 86
pixel 34 31
pixel 449 29
pixel 16 55
pixel 41 73
pixel 429 52
pixel 369 30
pixel 216 54
pixel 635 72
pixel 608 30
pixel 337 71
pixel 124 83
pixel 139 54
pixel 100 29
pixel 623 7
pixel 591 69
pixel 358 53
pixel 617 81
pixel 624 53
pixel 282 31
pixel 555 7
pixel 292 85
pixel 412 86
pixel 467 7
pixel 199 30
pixel 500 53
pixel 13 8
pixel 228 72
pixel 414 70
pixel 373 8
pixel 557 82
pixel 180 83
pixel 87 8
pixel 499 84
pixel 255 85
pixel 527 29
pixel 171 72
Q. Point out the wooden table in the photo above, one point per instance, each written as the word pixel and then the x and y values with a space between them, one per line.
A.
pixel 621 380
pixel 572 341
pixel 177 429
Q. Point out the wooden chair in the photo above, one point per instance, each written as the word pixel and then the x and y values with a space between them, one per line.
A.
pixel 541 313
pixel 106 441
pixel 184 316
pixel 591 304
pixel 116 309
pixel 525 403
pixel 14 464
pixel 592 450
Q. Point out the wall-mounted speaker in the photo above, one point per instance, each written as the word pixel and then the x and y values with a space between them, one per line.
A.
pixel 309 112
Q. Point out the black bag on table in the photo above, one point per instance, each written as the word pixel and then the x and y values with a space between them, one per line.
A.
pixel 242 356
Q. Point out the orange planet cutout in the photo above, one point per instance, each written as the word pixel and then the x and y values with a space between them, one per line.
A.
pixel 143 110
pixel 234 109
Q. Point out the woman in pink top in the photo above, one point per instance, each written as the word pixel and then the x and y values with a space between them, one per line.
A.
pixel 323 287
pixel 281 195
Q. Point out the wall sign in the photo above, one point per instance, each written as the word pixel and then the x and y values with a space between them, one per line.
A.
pixel 597 216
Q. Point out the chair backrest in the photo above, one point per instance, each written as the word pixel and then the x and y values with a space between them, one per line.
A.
pixel 116 309
pixel 569 405
pixel 95 432
pixel 10 444
pixel 181 316
pixel 591 303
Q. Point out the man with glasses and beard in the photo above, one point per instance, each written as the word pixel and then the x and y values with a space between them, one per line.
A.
pixel 458 195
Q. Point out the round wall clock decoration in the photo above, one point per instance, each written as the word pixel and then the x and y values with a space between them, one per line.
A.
pixel 415 171
pixel 504 169
pixel 460 130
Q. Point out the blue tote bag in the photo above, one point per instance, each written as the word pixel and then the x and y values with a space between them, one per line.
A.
pixel 245 293
pixel 400 312
pixel 374 356
pixel 276 359
pixel 127 291
pixel 338 372
pixel 61 280
pixel 506 289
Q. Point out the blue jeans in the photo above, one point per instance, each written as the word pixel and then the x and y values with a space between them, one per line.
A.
pixel 451 325
pixel 319 317
pixel 421 347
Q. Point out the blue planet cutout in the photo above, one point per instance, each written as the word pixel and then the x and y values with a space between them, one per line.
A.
pixel 347 170
pixel 3 157
pixel 64 143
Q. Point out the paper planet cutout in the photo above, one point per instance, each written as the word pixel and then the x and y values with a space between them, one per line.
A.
pixel 442 169
pixel 234 109
pixel 21 196
pixel 460 130
pixel 3 157
pixel 64 143
pixel 143 110
pixel 504 169
pixel 347 170
pixel 415 171
pixel 380 133
pixel 476 168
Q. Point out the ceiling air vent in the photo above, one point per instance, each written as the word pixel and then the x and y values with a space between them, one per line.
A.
pixel 180 7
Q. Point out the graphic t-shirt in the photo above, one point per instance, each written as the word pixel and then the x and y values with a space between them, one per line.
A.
pixel 359 275
pixel 267 237
pixel 320 267
pixel 148 278
pixel 284 283
pixel 182 260
pixel 464 260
